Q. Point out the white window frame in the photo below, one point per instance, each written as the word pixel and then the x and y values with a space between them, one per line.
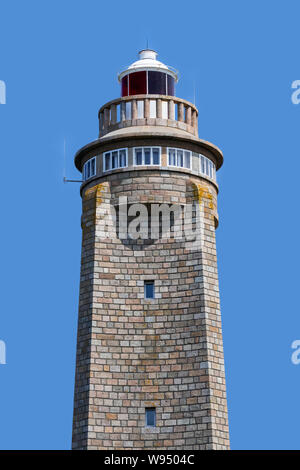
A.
pixel 143 156
pixel 150 426
pixel 176 158
pixel 118 167
pixel 208 165
pixel 87 164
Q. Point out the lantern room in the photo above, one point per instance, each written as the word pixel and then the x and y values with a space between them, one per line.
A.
pixel 148 76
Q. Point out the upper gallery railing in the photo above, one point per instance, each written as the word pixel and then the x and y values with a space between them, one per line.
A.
pixel 148 110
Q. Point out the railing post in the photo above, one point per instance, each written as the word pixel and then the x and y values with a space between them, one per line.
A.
pixel 101 122
pixel 123 110
pixel 171 110
pixel 159 108
pixel 195 122
pixel 134 109
pixel 180 112
pixel 106 118
pixel 147 108
pixel 113 114
pixel 188 115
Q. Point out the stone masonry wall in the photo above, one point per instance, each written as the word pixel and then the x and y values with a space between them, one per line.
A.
pixel 133 352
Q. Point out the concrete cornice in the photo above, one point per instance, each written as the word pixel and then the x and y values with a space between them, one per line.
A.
pixel 156 136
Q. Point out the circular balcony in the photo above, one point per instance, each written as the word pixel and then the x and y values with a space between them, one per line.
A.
pixel 148 110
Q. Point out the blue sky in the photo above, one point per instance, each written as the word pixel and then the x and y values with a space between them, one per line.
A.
pixel 59 61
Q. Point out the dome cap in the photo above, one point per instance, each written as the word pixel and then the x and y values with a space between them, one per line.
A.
pixel 148 61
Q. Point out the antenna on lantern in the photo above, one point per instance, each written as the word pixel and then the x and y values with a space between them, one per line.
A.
pixel 194 92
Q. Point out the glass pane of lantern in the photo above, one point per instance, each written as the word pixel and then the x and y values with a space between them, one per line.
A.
pixel 137 83
pixel 147 156
pixel 202 165
pixel 124 85
pixel 156 83
pixel 171 85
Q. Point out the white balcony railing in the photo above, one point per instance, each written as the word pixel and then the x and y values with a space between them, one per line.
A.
pixel 152 110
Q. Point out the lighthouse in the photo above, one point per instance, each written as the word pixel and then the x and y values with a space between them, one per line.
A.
pixel 149 363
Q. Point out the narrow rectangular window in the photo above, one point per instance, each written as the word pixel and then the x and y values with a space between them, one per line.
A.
pixel 147 153
pixel 150 417
pixel 214 173
pixel 88 170
pixel 107 161
pixel 93 170
pixel 114 160
pixel 210 169
pixel 172 157
pixel 149 289
pixel 187 159
pixel 128 110
pixel 180 158
pixel 156 156
pixel 206 166
pixel 122 158
pixel 138 156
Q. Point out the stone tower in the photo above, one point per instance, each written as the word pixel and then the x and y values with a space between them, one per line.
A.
pixel 150 365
